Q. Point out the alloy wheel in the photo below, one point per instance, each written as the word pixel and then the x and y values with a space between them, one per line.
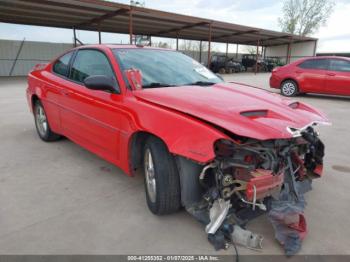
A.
pixel 150 175
pixel 288 89
pixel 41 120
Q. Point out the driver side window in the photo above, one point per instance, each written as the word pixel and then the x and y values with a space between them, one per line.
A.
pixel 90 62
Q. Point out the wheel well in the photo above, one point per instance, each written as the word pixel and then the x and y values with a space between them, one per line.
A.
pixel 136 145
pixel 33 100
pixel 191 191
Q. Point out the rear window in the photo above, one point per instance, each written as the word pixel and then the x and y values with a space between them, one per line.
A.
pixel 61 66
pixel 321 64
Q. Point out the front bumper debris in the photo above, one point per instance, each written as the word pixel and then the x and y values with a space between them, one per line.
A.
pixel 287 216
pixel 217 214
pixel 256 177
pixel 246 238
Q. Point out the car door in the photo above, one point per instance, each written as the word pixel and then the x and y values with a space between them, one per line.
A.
pixel 338 77
pixel 311 75
pixel 91 117
pixel 60 70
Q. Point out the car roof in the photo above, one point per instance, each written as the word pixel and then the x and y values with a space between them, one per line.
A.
pixel 327 57
pixel 301 60
pixel 121 46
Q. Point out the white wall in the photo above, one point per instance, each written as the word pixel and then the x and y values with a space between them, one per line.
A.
pixel 298 50
pixel 32 53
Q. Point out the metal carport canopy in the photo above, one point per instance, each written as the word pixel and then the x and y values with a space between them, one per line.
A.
pixel 96 15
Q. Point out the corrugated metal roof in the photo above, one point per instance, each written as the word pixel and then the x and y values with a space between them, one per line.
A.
pixel 113 17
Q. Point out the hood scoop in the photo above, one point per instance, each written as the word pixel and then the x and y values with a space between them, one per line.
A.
pixel 255 114
pixel 264 113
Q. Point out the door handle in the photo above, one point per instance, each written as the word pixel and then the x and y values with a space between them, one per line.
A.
pixel 66 92
pixel 298 72
pixel 331 74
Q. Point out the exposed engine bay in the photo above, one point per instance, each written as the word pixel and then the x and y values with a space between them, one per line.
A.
pixel 250 178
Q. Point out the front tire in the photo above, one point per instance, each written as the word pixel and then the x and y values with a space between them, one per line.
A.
pixel 289 88
pixel 162 182
pixel 42 124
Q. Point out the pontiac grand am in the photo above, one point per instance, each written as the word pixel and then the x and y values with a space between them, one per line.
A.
pixel 225 152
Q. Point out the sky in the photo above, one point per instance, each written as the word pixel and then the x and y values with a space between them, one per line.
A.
pixel 333 37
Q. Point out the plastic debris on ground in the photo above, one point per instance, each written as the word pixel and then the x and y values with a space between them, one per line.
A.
pixel 287 216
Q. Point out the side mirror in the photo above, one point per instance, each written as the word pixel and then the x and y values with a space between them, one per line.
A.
pixel 100 82
pixel 134 77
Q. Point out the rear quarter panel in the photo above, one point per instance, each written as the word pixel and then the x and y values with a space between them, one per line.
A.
pixel 39 86
pixel 288 72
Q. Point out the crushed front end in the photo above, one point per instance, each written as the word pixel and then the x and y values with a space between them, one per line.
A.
pixel 249 178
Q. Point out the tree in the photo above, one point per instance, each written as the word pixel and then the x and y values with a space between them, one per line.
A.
pixel 160 44
pixel 189 45
pixel 304 17
pixel 251 50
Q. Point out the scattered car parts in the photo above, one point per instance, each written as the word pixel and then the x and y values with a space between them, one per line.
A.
pixel 246 238
pixel 269 175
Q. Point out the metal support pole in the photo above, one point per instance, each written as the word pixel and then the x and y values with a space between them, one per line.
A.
pixel 177 42
pixel 315 47
pixel 99 35
pixel 16 58
pixel 150 40
pixel 209 44
pixel 288 53
pixel 237 51
pixel 200 51
pixel 257 57
pixel 289 49
pixel 264 48
pixel 226 51
pixel 130 26
pixel 75 37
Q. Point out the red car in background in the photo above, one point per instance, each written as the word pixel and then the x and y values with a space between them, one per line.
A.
pixel 324 75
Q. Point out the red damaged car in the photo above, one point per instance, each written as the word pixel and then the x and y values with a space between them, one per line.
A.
pixel 223 151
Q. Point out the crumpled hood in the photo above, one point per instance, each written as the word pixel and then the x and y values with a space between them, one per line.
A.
pixel 240 109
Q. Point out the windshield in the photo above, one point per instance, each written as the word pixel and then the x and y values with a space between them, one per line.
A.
pixel 161 68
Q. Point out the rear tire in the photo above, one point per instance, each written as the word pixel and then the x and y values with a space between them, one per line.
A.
pixel 42 124
pixel 289 88
pixel 162 182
